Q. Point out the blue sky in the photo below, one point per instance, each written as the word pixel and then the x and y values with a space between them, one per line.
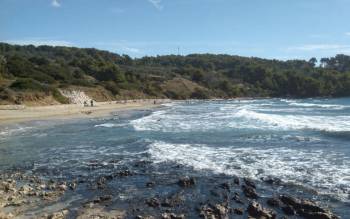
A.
pixel 281 29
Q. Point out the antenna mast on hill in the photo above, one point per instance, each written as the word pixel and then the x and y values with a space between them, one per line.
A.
pixel 178 50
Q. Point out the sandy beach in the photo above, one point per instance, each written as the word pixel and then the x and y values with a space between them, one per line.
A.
pixel 19 113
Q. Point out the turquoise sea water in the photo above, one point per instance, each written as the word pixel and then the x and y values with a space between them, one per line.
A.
pixel 305 143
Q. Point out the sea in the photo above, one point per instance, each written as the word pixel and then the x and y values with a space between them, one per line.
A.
pixel 304 143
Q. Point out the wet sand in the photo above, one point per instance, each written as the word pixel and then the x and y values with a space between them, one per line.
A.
pixel 14 114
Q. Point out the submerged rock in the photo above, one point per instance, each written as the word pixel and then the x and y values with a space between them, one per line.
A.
pixel 236 180
pixel 187 182
pixel 272 180
pixel 237 199
pixel 238 211
pixel 173 201
pixel 153 202
pixel 225 185
pixel 103 199
pixel 150 184
pixel 274 202
pixel 249 183
pixel 249 192
pixel 124 173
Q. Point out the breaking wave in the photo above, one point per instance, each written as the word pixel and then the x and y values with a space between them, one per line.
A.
pixel 286 122
pixel 108 125
pixel 316 168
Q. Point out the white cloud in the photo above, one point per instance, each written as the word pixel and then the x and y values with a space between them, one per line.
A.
pixel 317 47
pixel 56 3
pixel 120 47
pixel 157 4
pixel 131 50
pixel 40 42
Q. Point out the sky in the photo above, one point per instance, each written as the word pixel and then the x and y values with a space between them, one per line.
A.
pixel 278 29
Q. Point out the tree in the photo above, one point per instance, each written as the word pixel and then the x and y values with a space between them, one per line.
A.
pixel 313 61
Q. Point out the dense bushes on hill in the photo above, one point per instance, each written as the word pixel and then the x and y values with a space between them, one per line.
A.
pixel 45 67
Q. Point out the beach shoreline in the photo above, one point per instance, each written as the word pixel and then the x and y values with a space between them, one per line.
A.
pixel 13 114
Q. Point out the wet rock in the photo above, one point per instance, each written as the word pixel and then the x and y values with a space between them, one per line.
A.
pixel 8 186
pixel 150 184
pixel 124 173
pixel 6 215
pixel 317 215
pixel 172 216
pixel 307 209
pixel 249 183
pixel 187 182
pixel 101 182
pixel 144 217
pixel 173 201
pixel 59 215
pixel 62 187
pixel 100 213
pixel 236 180
pixel 271 180
pixel 288 210
pixel 153 202
pixel 219 211
pixel 225 186
pixel 249 192
pixel 25 190
pixel 238 211
pixel 237 199
pixel 72 185
pixel 274 202
pixel 103 199
pixel 42 186
pixel 256 210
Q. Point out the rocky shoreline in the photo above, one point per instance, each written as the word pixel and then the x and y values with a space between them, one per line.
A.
pixel 24 195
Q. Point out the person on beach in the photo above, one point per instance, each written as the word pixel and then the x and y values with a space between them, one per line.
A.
pixel 91 103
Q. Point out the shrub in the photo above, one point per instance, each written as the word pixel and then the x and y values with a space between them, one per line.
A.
pixel 59 97
pixel 112 87
pixel 29 84
pixel 200 94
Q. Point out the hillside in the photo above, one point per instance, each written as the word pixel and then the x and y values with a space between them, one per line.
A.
pixel 30 74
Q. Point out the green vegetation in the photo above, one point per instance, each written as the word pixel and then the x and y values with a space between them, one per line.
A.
pixel 45 69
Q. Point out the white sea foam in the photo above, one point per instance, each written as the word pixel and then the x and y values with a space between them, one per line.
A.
pixel 13 130
pixel 108 125
pixel 286 122
pixel 314 105
pixel 316 168
pixel 250 116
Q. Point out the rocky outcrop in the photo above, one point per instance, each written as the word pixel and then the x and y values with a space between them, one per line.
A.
pixel 305 208
pixel 218 211
pixel 256 210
